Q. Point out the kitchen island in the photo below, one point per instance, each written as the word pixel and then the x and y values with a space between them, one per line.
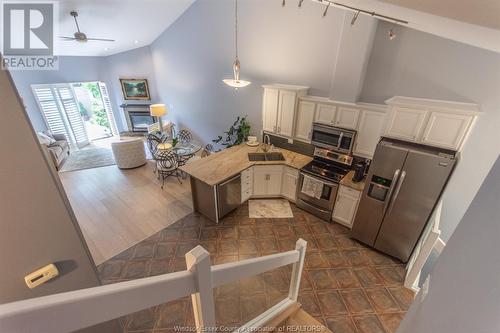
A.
pixel 216 181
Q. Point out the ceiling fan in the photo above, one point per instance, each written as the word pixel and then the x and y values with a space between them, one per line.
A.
pixel 80 36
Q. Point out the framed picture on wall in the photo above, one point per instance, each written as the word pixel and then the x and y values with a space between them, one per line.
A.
pixel 135 89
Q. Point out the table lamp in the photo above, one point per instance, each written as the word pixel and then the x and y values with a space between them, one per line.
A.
pixel 158 110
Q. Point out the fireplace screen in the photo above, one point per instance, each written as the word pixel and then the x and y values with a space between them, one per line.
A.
pixel 140 121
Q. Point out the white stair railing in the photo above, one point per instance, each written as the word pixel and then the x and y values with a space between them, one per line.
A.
pixel 74 310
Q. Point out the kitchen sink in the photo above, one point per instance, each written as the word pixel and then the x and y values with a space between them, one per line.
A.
pixel 265 157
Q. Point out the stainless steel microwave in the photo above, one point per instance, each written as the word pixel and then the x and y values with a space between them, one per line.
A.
pixel 334 138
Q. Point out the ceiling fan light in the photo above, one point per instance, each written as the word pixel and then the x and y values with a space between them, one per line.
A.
pixel 236 83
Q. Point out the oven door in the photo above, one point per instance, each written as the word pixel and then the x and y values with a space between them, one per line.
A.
pixel 333 138
pixel 328 193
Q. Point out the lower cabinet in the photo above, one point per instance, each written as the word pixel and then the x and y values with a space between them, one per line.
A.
pixel 289 183
pixel 346 205
pixel 267 180
pixel 246 184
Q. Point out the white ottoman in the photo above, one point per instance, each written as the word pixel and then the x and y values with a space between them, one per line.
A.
pixel 129 153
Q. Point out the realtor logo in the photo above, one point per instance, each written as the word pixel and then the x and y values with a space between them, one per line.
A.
pixel 28 35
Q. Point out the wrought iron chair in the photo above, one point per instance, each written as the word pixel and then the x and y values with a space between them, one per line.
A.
pixel 167 165
pixel 152 141
pixel 207 150
pixel 184 136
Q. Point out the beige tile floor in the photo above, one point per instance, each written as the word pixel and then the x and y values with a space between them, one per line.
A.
pixel 345 285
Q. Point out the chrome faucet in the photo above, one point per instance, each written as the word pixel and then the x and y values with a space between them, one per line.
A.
pixel 267 143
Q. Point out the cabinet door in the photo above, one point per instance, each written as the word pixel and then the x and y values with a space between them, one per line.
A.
pixel 325 113
pixel 260 181
pixel 345 206
pixel 371 128
pixel 406 123
pixel 289 185
pixel 286 112
pixel 274 183
pixel 347 118
pixel 446 129
pixel 305 119
pixel 270 110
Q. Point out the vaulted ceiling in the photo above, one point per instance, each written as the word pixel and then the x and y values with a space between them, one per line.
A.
pixel 132 23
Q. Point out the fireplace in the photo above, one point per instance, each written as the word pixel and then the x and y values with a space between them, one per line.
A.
pixel 140 121
pixel 138 117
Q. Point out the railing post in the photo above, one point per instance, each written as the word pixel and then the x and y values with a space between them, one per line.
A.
pixel 300 246
pixel 198 262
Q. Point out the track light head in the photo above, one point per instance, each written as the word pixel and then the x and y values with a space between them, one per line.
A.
pixel 283 3
pixel 300 3
pixel 392 34
pixel 326 9
pixel 355 17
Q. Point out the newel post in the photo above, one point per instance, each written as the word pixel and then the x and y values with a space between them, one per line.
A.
pixel 198 262
pixel 300 246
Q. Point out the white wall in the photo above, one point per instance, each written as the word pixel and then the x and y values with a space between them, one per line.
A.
pixel 417 64
pixel 464 293
pixel 277 44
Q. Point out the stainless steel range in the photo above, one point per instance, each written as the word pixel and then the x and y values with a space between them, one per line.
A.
pixel 319 180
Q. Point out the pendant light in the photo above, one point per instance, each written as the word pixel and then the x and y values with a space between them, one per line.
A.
pixel 235 82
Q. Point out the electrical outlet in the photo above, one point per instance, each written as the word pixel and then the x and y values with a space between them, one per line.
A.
pixel 290 141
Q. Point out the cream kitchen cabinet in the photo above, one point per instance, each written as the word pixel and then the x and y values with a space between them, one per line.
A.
pixel 278 108
pixel 305 119
pixel 267 180
pixel 446 129
pixel 346 205
pixel 371 128
pixel 246 184
pixel 325 113
pixel 406 123
pixel 289 183
pixel 347 117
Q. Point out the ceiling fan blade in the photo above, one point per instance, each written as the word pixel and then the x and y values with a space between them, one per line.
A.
pixel 67 38
pixel 101 39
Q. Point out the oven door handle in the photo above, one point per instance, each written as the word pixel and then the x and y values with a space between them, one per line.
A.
pixel 320 180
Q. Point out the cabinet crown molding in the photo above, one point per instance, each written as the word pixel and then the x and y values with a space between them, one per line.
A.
pixel 433 104
pixel 284 87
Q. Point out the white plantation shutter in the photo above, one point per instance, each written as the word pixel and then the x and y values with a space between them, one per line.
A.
pixel 69 105
pixel 50 110
pixel 107 106
pixel 59 107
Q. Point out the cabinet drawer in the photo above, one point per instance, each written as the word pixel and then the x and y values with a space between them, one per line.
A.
pixel 246 194
pixel 344 190
pixel 247 174
pixel 246 185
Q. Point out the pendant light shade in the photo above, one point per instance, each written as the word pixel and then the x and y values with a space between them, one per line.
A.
pixel 235 82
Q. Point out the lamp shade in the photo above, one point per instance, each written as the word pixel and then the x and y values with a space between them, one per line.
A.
pixel 158 110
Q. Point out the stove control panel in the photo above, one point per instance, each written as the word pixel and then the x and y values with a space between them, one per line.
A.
pixel 333 156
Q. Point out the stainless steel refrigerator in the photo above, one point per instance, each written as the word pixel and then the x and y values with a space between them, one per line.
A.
pixel 403 186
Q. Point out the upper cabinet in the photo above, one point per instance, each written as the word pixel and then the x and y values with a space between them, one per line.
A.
pixel 405 123
pixel 432 122
pixel 325 114
pixel 371 127
pixel 305 119
pixel 278 108
pixel 347 117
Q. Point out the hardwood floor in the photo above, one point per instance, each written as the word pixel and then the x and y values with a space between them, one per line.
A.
pixel 116 208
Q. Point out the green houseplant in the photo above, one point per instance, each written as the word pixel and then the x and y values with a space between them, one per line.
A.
pixel 236 134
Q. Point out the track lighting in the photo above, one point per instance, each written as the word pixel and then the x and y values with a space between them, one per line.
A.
pixel 326 9
pixel 283 3
pixel 392 34
pixel 355 17
pixel 300 3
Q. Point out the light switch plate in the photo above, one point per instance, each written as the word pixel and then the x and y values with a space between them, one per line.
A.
pixel 290 141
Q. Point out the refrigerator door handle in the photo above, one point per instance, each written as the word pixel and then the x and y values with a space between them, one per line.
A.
pixel 340 139
pixel 396 193
pixel 389 194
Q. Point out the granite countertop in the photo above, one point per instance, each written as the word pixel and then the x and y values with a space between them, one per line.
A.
pixel 347 181
pixel 222 165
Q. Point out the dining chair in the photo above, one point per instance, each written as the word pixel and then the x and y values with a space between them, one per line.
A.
pixel 167 165
pixel 207 150
pixel 184 136
pixel 152 141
